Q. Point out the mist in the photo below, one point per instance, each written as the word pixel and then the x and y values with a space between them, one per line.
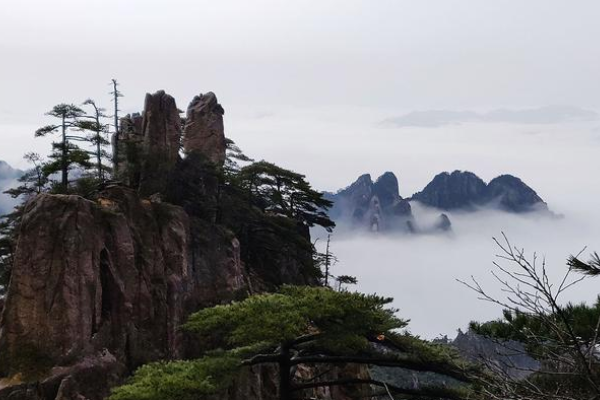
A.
pixel 420 271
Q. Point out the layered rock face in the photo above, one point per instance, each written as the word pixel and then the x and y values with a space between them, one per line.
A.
pixel 118 275
pixel 465 190
pixel 377 206
pixel 204 132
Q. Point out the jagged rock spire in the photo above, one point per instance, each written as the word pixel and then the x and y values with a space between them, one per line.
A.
pixel 204 131
pixel 161 128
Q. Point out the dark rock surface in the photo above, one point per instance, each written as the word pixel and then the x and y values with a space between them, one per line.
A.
pixel 148 145
pixel 443 223
pixel 204 132
pixel 161 129
pixel 118 274
pixel 376 206
pixel 453 191
pixel 511 194
pixel 465 190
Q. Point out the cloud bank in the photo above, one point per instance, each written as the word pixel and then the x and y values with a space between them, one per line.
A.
pixel 540 115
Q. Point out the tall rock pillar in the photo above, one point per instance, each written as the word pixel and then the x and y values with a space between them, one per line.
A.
pixel 204 132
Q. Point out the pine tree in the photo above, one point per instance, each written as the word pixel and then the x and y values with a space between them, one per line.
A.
pixel 300 326
pixel 116 94
pixel 64 152
pixel 283 192
pixel 98 131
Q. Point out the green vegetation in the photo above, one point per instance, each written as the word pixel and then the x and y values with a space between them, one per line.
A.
pixel 310 326
pixel 268 208
pixel 182 380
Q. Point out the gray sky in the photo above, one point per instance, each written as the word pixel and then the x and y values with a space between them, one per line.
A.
pixel 307 84
pixel 404 54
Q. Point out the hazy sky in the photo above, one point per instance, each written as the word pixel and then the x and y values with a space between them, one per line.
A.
pixel 393 53
pixel 307 84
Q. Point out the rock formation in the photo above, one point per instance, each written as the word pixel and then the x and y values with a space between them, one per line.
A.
pixel 130 151
pixel 443 223
pixel 452 191
pixel 117 276
pixel 149 145
pixel 161 128
pixel 465 190
pixel 376 206
pixel 204 132
pixel 511 194
pixel 509 357
pixel 101 285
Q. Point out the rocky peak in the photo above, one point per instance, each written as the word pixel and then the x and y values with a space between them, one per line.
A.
pixel 465 190
pixel 375 206
pixel 148 146
pixel 161 129
pixel 204 131
pixel 386 189
pixel 512 194
pixel 460 189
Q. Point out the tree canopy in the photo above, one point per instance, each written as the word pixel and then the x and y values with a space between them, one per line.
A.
pixel 283 192
pixel 310 326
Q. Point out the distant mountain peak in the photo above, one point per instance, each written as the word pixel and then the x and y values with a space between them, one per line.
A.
pixel 465 190
pixel 8 172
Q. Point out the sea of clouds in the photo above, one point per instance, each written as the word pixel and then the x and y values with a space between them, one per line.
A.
pixel 560 159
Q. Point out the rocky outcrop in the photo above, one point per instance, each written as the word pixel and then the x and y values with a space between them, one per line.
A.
pixel 465 190
pixel 148 145
pixel 204 132
pixel 101 285
pixel 130 150
pixel 511 194
pixel 118 274
pixel 443 223
pixel 452 191
pixel 508 357
pixel 161 129
pixel 376 206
